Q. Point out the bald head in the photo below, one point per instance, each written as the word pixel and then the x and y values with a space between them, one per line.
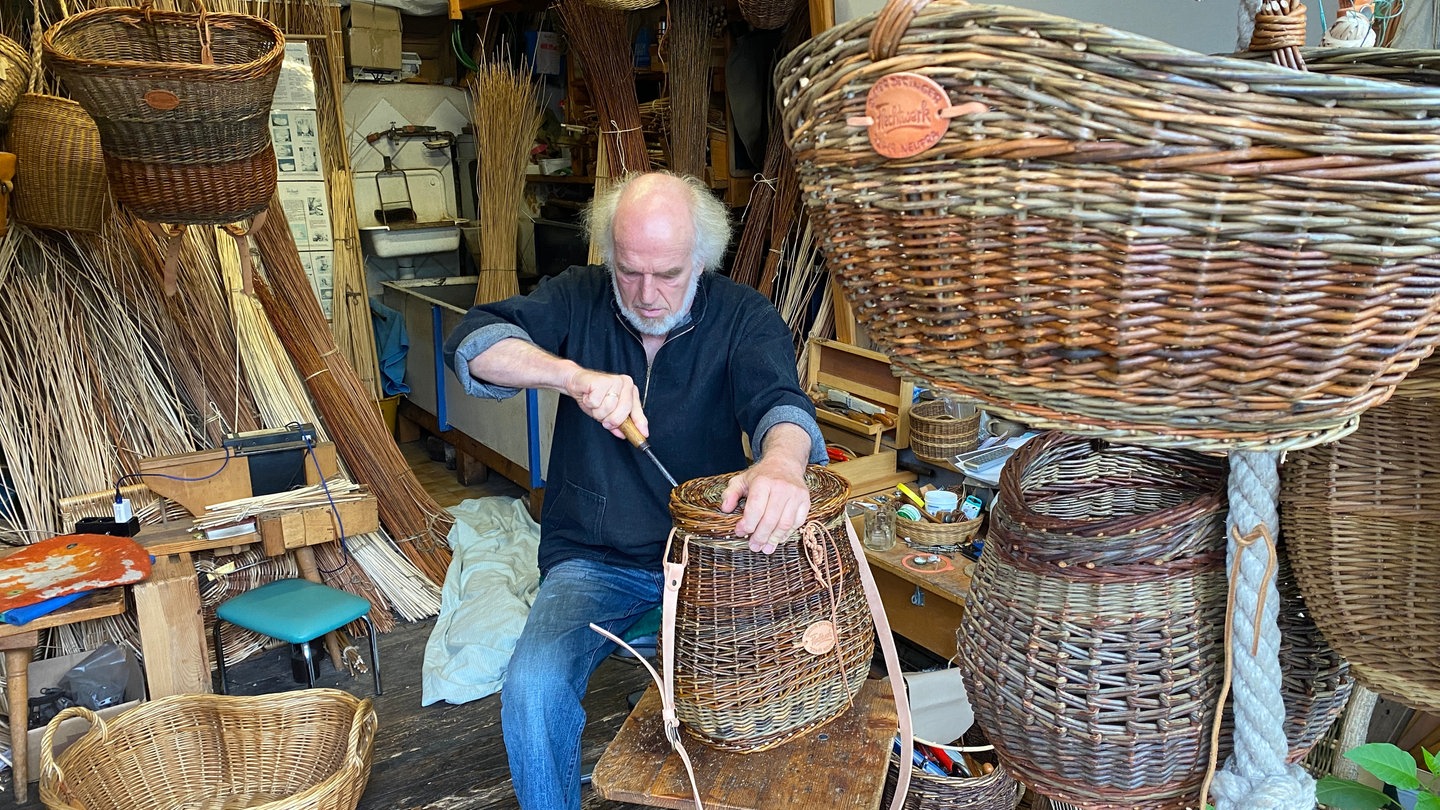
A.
pixel 650 207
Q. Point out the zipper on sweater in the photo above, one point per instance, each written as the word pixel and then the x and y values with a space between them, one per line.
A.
pixel 649 364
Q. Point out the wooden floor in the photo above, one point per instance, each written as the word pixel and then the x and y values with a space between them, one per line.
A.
pixel 439 757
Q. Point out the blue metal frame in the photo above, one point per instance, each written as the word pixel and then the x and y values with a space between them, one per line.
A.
pixel 437 338
pixel 532 435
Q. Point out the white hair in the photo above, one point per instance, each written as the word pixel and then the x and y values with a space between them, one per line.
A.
pixel 709 217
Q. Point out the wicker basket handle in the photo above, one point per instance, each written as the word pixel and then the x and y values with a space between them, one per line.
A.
pixel 47 742
pixel 890 26
pixel 362 732
pixel 202 27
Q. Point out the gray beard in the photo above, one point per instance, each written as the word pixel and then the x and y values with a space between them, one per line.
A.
pixel 662 327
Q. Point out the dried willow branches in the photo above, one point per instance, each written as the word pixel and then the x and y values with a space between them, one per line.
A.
pixel 689 65
pixel 600 39
pixel 507 114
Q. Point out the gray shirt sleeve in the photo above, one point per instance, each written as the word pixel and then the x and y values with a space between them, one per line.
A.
pixel 474 345
pixel 795 416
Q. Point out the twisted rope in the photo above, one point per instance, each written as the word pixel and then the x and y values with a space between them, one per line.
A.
pixel 1256 776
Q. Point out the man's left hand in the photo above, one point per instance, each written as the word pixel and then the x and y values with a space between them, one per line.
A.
pixel 776 502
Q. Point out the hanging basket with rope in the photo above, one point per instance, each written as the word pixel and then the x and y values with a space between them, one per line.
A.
pixel 1103 233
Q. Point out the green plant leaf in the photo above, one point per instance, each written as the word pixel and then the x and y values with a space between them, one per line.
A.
pixel 1388 763
pixel 1427 801
pixel 1342 794
pixel 1431 764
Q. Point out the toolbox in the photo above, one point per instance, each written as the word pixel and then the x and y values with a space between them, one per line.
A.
pixel 862 407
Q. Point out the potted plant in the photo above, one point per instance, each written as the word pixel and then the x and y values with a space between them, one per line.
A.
pixel 1415 788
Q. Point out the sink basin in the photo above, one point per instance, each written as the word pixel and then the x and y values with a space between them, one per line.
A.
pixel 390 242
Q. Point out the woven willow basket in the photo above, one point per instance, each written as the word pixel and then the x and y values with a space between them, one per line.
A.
pixel 182 100
pixel 937 436
pixel 14 76
pixel 1118 237
pixel 59 168
pixel 1093 643
pixel 752 666
pixel 1315 681
pixel 996 790
pixel 1361 517
pixel 304 750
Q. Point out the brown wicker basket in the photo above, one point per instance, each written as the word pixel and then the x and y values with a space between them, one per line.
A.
pixel 752 666
pixel 304 750
pixel 15 70
pixel 182 101
pixel 59 168
pixel 922 535
pixel 1119 237
pixel 937 436
pixel 768 14
pixel 1315 681
pixel 996 790
pixel 1360 517
pixel 1093 643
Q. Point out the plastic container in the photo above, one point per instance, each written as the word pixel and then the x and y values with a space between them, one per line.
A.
pixel 938 501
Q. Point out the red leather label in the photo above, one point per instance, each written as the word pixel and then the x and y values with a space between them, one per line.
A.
pixel 162 99
pixel 905 108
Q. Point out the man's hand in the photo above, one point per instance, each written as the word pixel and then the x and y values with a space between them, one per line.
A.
pixel 608 399
pixel 777 501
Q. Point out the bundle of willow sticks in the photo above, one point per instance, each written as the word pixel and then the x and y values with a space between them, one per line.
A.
pixel 507 114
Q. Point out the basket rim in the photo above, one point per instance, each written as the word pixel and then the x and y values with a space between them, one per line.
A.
pixel 53 36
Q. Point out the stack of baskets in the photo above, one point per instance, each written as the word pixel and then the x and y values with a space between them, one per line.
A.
pixel 767 647
pixel 182 101
pixel 303 750
pixel 1095 231
pixel 1361 517
pixel 936 436
pixel 1093 644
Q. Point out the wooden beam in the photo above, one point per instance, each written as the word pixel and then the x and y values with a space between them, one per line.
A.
pixel 172 628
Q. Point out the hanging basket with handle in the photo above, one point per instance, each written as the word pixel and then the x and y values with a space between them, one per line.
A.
pixel 182 100
pixel 1104 233
pixel 14 76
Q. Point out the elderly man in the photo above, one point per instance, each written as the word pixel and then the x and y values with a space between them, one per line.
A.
pixel 696 360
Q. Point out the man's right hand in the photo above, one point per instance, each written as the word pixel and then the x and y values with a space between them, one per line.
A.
pixel 608 399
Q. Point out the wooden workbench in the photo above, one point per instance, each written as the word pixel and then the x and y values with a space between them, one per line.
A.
pixel 933 623
pixel 840 766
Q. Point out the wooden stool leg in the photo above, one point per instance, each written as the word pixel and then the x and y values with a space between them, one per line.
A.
pixel 17 686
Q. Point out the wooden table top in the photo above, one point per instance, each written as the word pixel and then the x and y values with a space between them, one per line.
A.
pixel 840 766
pixel 952 585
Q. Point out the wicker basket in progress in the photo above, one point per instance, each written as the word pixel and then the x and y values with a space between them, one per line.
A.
pixel 1093 643
pixel 1361 517
pixel 182 100
pixel 937 436
pixel 1095 231
pixel 767 647
pixel 303 750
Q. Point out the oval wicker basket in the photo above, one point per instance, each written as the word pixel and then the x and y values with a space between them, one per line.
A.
pixel 937 436
pixel 182 100
pixel 1093 643
pixel 748 673
pixel 922 535
pixel 59 167
pixel 304 750
pixel 1361 517
pixel 996 790
pixel 14 76
pixel 1315 681
pixel 1107 235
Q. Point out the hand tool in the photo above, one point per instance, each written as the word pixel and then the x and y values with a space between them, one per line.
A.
pixel 633 435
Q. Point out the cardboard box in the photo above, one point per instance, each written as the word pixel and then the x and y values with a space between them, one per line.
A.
pixel 48 673
pixel 372 36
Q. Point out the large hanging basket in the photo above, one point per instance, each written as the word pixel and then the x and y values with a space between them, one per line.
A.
pixel 59 168
pixel 1361 517
pixel 1104 233
pixel 767 646
pixel 14 76
pixel 182 101
pixel 1315 681
pixel 305 750
pixel 1093 643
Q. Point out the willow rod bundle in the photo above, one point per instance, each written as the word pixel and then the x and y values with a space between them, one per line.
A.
pixel 755 223
pixel 782 213
pixel 507 115
pixel 601 41
pixel 411 595
pixel 689 65
pixel 369 451
pixel 336 490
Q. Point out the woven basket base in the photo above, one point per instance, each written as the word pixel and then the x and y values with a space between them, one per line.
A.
pixel 195 194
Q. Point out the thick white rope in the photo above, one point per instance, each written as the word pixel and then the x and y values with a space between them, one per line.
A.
pixel 1245 23
pixel 1256 776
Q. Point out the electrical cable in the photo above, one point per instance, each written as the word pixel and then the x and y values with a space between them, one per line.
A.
pixel 335 510
pixel 120 482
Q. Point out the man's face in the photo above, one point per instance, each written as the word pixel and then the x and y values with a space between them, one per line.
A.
pixel 655 280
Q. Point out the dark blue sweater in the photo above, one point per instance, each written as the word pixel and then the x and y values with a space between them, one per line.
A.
pixel 728 370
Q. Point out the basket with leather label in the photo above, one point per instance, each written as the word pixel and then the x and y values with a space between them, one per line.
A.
pixel 1098 232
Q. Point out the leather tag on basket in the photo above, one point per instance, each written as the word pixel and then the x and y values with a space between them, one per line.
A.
pixel 908 113
pixel 162 100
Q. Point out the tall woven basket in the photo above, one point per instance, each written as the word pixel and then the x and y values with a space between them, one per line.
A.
pixel 182 100
pixel 1093 643
pixel 14 76
pixel 1361 517
pixel 1104 233
pixel 767 647
pixel 305 750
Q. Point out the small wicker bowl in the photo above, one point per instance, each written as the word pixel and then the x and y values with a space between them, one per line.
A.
pixel 923 535
pixel 936 436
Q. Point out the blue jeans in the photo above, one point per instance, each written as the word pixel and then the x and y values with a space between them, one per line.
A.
pixel 540 713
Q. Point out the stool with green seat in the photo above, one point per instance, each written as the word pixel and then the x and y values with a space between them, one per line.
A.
pixel 297 611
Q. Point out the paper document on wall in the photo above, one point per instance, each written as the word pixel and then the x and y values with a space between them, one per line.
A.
pixel 308 212
pixel 297 144
pixel 319 268
pixel 296 88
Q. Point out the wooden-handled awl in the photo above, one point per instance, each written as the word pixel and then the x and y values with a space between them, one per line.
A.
pixel 633 435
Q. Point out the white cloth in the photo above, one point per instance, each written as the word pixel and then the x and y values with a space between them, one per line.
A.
pixel 488 591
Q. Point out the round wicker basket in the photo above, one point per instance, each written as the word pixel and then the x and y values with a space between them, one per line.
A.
pixel 767 647
pixel 922 535
pixel 937 436
pixel 304 750
pixel 996 790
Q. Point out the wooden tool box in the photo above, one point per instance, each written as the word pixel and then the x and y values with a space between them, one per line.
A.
pixel 865 376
